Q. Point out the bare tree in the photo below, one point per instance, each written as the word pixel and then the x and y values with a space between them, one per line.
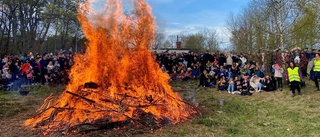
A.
pixel 211 39
pixel 159 39
pixel 25 24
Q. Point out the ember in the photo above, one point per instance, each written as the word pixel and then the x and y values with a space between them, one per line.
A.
pixel 117 81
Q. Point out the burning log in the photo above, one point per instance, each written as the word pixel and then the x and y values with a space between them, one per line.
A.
pixel 86 99
pixel 91 85
pixel 149 98
pixel 146 119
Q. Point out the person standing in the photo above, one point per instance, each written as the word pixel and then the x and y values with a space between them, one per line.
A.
pixel 243 60
pixel 206 57
pixel 294 76
pixel 43 68
pixel 316 70
pixel 278 71
pixel 24 68
pixel 229 61
pixel 304 64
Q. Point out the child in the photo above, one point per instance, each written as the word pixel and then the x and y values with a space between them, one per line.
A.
pixel 238 85
pixel 211 79
pixel 269 84
pixel 174 75
pixel 163 68
pixel 254 82
pixel 216 62
pixel 244 71
pixel 187 74
pixel 234 70
pixel 231 86
pixel 195 73
pixel 245 88
pixel 182 75
pixel 29 76
pixel 222 83
pixel 278 74
pixel 209 65
pixel 203 79
pixel 261 85
pixel 229 74
pixel 263 69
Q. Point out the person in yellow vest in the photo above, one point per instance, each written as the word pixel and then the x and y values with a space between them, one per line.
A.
pixel 316 70
pixel 294 76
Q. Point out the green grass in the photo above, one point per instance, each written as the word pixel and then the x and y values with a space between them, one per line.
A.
pixel 15 109
pixel 12 103
pixel 262 114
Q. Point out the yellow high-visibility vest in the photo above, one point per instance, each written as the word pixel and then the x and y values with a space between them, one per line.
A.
pixel 293 74
pixel 316 66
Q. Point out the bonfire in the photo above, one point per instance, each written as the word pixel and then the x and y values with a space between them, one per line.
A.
pixel 117 81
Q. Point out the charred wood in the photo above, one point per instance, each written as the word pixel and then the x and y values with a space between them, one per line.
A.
pixel 91 85
pixel 84 98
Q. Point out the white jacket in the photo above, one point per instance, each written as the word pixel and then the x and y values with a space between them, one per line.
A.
pixel 243 60
pixel 229 60
pixel 278 73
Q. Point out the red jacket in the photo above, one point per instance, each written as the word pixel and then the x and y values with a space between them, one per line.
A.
pixel 25 67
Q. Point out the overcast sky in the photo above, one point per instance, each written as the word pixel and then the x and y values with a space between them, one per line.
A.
pixel 176 17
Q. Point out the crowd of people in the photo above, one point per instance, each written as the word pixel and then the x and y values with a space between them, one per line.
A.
pixel 236 73
pixel 31 69
pixel 240 73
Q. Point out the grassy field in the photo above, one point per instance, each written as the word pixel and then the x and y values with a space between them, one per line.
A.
pixel 262 114
pixel 15 109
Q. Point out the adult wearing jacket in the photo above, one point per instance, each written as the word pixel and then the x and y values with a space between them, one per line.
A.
pixel 316 70
pixel 294 76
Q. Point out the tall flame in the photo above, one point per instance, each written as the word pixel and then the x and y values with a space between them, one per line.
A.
pixel 119 61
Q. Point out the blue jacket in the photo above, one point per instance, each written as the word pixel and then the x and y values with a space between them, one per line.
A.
pixel 195 72
pixel 222 72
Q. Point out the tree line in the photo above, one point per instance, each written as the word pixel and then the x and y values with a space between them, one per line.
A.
pixel 39 25
pixel 276 24
pixel 51 25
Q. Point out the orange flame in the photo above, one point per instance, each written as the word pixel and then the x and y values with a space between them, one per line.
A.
pixel 119 61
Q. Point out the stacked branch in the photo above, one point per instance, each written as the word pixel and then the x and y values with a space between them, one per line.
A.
pixel 113 112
